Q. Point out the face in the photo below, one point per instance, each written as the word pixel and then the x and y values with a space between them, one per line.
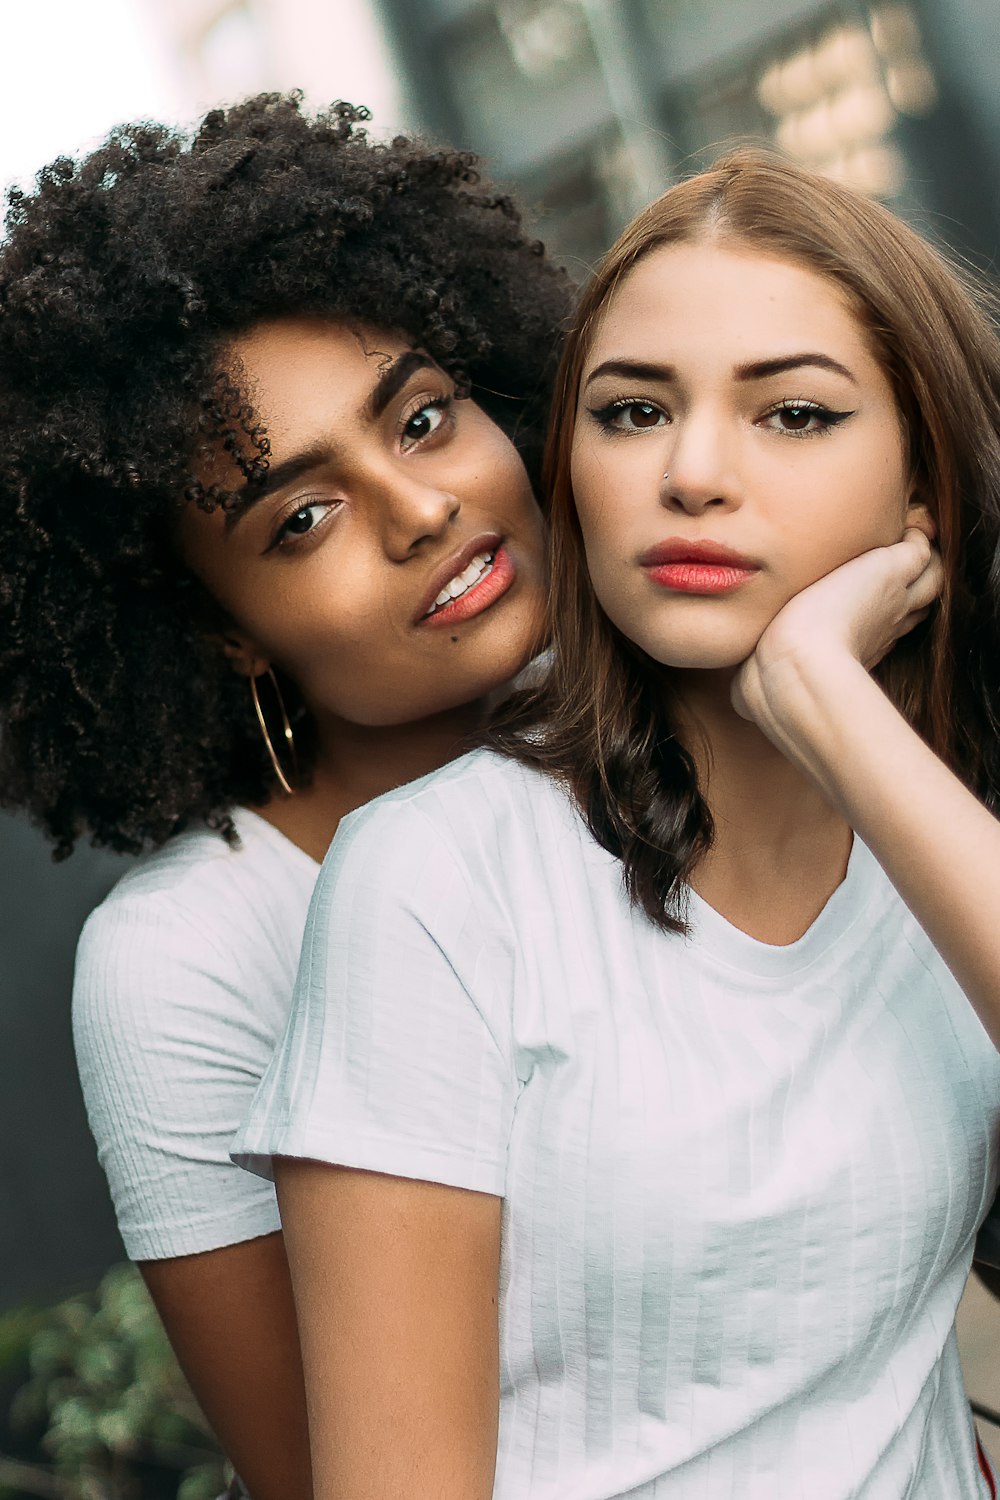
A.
pixel 751 383
pixel 391 564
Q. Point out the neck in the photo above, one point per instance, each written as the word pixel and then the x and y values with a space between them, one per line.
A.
pixel 780 848
pixel 355 763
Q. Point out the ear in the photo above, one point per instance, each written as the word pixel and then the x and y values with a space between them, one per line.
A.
pixel 241 651
pixel 918 515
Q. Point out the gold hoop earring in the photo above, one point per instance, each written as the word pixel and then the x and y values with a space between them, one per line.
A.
pixel 286 730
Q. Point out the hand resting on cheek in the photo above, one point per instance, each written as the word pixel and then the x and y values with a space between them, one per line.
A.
pixel 857 613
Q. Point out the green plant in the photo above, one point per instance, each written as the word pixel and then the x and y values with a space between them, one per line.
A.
pixel 116 1417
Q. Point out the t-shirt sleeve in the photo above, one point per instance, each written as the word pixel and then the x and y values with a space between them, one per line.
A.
pixel 170 1052
pixel 398 1053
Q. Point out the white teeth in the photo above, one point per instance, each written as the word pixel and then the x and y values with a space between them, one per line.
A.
pixel 463 581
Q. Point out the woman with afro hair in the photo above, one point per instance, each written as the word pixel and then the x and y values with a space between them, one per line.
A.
pixel 272 397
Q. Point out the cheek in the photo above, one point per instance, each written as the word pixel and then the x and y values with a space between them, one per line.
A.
pixel 492 469
pixel 598 496
pixel 861 504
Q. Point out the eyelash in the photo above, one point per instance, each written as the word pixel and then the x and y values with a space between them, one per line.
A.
pixel 828 418
pixel 444 403
pixel 283 538
pixel 605 416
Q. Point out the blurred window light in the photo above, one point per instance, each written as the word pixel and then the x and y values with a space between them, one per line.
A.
pixel 845 56
pixel 836 101
pixel 72 71
pixel 230 52
pixel 878 171
pixel 542 34
pixel 895 32
pixel 911 87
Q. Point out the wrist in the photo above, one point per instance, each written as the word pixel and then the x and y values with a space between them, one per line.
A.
pixel 812 705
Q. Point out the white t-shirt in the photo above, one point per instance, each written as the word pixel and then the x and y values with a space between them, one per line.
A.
pixel 741 1183
pixel 183 982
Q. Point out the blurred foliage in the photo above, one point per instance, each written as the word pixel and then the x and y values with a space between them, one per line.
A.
pixel 107 1410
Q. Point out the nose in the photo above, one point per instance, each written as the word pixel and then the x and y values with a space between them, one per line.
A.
pixel 701 472
pixel 414 511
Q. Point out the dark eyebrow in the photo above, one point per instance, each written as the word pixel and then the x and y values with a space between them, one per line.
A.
pixel 632 369
pixel 275 478
pixel 392 379
pixel 760 369
pixel 390 382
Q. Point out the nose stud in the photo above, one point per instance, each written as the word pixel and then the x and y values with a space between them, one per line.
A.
pixel 665 478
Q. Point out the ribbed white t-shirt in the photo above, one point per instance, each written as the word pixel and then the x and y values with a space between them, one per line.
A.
pixel 741 1183
pixel 183 982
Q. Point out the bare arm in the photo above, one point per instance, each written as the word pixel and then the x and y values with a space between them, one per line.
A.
pixel 808 688
pixel 396 1285
pixel 230 1317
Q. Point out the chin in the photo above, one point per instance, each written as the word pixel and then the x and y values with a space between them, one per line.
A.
pixel 699 652
pixel 703 661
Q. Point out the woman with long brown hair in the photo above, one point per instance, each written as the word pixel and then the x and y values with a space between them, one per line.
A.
pixel 680 1040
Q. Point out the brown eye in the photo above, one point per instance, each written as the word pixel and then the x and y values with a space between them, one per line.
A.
pixel 422 424
pixel 643 416
pixel 631 416
pixel 802 419
pixel 425 421
pixel 301 522
pixel 796 418
pixel 627 416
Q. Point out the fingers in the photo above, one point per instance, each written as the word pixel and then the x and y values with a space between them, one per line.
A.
pixel 916 548
pixel 927 578
pixel 921 567
pixel 919 517
pixel 919 578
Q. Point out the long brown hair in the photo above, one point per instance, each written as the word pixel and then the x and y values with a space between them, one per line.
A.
pixel 602 721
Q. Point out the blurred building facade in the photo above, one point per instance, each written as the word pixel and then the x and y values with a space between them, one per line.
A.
pixel 592 106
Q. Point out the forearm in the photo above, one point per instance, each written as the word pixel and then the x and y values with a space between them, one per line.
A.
pixel 396 1287
pixel 937 843
pixel 231 1320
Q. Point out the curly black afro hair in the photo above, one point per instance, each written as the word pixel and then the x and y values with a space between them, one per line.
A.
pixel 121 279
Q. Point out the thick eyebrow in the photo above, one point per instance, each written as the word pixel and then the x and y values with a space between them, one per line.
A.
pixel 631 369
pixel 761 369
pixel 277 477
pixel 390 382
pixel 758 369
pixel 392 379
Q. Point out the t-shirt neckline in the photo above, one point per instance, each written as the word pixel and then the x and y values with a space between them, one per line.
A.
pixel 244 815
pixel 720 939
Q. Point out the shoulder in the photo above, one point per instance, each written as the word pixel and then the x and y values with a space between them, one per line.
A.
pixel 466 807
pixel 481 824
pixel 192 922
pixel 199 881
pixel 480 857
pixel 200 866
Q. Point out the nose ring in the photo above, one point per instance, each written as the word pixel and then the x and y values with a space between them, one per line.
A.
pixel 665 478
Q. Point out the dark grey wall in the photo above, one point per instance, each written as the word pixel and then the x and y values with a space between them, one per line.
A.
pixel 56 1227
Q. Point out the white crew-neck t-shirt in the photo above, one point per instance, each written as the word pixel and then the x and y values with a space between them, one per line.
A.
pixel 183 982
pixel 741 1183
